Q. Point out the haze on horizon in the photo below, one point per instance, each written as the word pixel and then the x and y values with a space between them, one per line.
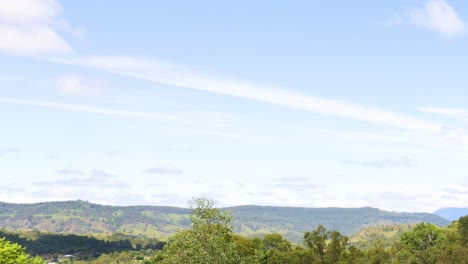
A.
pixel 303 103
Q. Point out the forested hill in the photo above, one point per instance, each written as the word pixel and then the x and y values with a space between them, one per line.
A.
pixel 79 217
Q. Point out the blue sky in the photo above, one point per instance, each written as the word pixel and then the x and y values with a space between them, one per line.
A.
pixel 297 103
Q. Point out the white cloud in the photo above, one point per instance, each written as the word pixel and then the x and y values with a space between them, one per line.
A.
pixel 27 28
pixel 31 40
pixel 76 85
pixel 179 76
pixel 439 16
pixel 25 11
pixel 88 109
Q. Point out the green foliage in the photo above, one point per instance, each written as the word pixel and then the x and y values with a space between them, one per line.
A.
pixel 210 240
pixel 328 246
pixel 386 234
pixel 317 241
pixel 423 236
pixel 81 247
pixel 14 254
pixel 292 222
pixel 463 229
pixel 378 254
pixel 142 257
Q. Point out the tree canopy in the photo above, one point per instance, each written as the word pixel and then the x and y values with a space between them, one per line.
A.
pixel 12 253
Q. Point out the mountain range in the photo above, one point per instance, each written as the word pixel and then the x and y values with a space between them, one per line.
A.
pixel 81 217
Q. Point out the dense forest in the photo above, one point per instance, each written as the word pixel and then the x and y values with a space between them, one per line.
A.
pixel 83 247
pixel 211 239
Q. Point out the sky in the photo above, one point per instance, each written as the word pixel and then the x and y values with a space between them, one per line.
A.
pixel 288 103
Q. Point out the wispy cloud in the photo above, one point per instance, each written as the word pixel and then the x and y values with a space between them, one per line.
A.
pixel 88 109
pixel 175 75
pixel 404 162
pixel 164 170
pixel 9 150
pixel 96 178
pixel 456 113
pixel 460 187
pixel 296 184
pixel 439 16
pixel 69 171
pixel 173 199
pixel 11 188
pixel 27 27
pixel 77 85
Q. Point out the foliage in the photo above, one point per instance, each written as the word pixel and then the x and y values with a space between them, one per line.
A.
pixel 422 237
pixel 387 235
pixel 463 229
pixel 14 254
pixel 82 247
pixel 210 240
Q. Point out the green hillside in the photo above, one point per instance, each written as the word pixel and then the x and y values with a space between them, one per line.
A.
pixel 80 217
pixel 387 235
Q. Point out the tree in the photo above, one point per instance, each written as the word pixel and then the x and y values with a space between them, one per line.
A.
pixel 463 229
pixel 337 247
pixel 317 241
pixel 422 237
pixel 209 241
pixel 378 255
pixel 328 246
pixel 14 254
pixel 277 249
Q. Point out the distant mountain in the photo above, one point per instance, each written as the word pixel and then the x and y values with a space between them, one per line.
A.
pixel 452 213
pixel 292 222
pixel 79 217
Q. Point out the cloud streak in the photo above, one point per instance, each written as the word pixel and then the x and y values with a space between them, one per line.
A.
pixel 164 170
pixel 404 162
pixel 175 75
pixel 88 109
pixel 96 178
pixel 456 113
pixel 69 171
pixel 5 151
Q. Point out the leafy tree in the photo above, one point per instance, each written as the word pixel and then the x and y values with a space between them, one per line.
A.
pixel 423 236
pixel 277 249
pixel 356 256
pixel 336 250
pixel 463 229
pixel 14 254
pixel 317 241
pixel 209 241
pixel 378 254
pixel 328 246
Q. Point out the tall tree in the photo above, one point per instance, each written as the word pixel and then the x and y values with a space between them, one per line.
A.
pixel 209 241
pixel 317 241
